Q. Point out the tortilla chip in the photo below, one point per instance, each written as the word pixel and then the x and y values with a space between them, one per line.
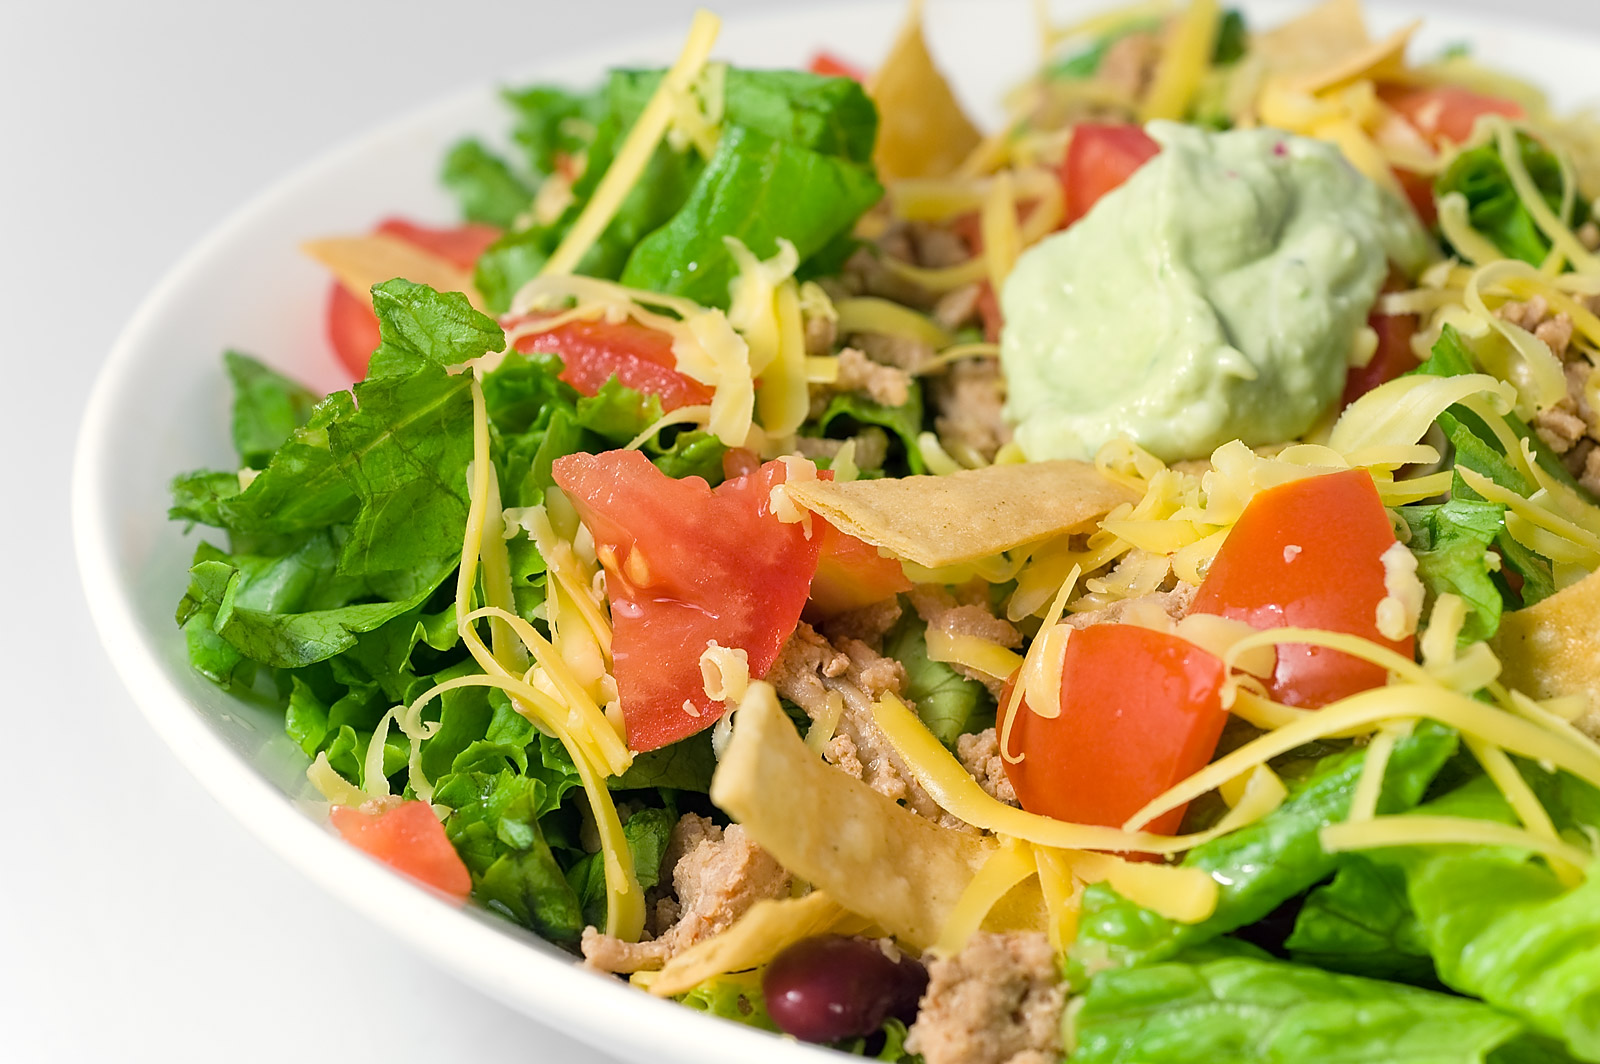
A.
pixel 872 856
pixel 359 262
pixel 1329 45
pixel 1383 60
pixel 973 514
pixel 766 930
pixel 922 130
pixel 1317 39
pixel 1549 649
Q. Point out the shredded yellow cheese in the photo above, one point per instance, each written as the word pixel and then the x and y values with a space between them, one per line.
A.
pixel 980 655
pixel 724 672
pixel 634 155
pixel 1002 243
pixel 1010 863
pixel 624 898
pixel 1061 896
pixel 870 314
pixel 1419 830
pixel 1369 787
pixel 332 786
pixel 1184 61
pixel 1187 895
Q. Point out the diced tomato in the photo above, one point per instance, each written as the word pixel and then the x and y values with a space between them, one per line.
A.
pixel 1140 710
pixel 1419 193
pixel 686 565
pixel 1393 357
pixel 1446 112
pixel 850 573
pixel 353 327
pixel 1308 554
pixel 410 839
pixel 460 244
pixel 737 461
pixel 831 66
pixel 1099 159
pixel 592 352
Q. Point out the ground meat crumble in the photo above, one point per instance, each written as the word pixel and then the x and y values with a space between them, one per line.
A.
pixel 979 753
pixel 998 1001
pixel 1571 427
pixel 716 873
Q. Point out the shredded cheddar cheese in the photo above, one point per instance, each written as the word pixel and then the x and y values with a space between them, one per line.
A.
pixel 634 154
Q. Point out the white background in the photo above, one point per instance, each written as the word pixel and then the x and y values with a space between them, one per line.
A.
pixel 137 922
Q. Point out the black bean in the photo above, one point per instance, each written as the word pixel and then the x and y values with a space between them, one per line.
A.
pixel 831 987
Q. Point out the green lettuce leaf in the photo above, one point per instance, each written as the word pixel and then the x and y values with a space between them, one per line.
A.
pixel 736 996
pixel 648 831
pixel 267 408
pixel 484 185
pixel 300 489
pixel 1493 205
pixel 517 257
pixel 1239 1010
pixel 758 190
pixel 281 637
pixel 1233 38
pixel 692 454
pixel 551 122
pixel 1502 927
pixel 815 116
pixel 685 765
pixel 1451 542
pixel 826 115
pixel 404 452
pixel 1451 357
pixel 495 828
pixel 420 327
pixel 847 413
pixel 1362 924
pixel 1258 867
pixel 948 703
pixel 618 413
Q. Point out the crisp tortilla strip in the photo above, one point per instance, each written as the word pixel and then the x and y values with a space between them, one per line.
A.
pixel 1552 648
pixel 922 130
pixel 872 856
pixel 1321 37
pixel 1383 60
pixel 1329 45
pixel 765 931
pixel 976 513
pixel 359 262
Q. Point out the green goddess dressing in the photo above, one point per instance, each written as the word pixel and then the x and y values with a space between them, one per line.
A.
pixel 1218 294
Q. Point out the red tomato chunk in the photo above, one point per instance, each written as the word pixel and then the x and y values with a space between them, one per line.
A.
pixel 592 352
pixel 1446 112
pixel 1140 710
pixel 1308 554
pixel 850 573
pixel 686 565
pixel 410 839
pixel 1100 158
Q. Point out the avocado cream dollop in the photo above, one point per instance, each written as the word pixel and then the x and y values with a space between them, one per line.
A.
pixel 1218 294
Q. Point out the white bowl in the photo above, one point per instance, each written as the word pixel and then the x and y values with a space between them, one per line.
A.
pixel 160 407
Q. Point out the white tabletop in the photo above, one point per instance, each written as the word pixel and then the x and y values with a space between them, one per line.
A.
pixel 137 921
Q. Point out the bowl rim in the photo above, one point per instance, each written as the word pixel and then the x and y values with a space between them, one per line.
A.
pixel 510 964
